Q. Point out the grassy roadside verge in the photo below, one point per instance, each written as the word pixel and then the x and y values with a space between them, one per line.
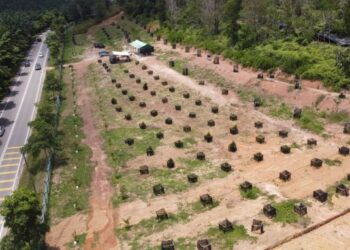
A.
pixel 33 175
pixel 71 168
pixel 71 171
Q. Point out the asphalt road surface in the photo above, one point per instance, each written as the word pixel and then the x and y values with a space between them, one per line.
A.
pixel 16 111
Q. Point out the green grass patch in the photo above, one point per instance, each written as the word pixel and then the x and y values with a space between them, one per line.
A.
pixel 65 198
pixel 221 240
pixel 247 95
pixel 184 244
pixel 69 192
pixel 314 121
pixel 282 111
pixel 251 194
pixel 168 55
pixel 116 37
pixel 79 239
pixel 210 76
pixel 189 141
pixel 149 226
pixel 198 207
pixel 119 152
pixel 315 61
pixel 311 121
pixel 331 163
pixel 194 72
pixel 133 186
pixel 285 212
pixel 180 244
pixel 72 52
pixel 332 189
pixel 192 163
pixel 335 117
pixel 134 233
pixel 84 26
pixel 295 145
pixel 135 31
pixel 320 98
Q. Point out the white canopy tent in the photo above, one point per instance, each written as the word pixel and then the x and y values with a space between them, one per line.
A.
pixel 121 53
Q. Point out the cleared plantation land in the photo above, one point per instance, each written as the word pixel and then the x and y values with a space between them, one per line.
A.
pixel 188 219
pixel 201 120
pixel 281 107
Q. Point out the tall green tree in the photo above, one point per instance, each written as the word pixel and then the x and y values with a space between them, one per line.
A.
pixel 347 17
pixel 21 211
pixel 232 12
pixel 211 13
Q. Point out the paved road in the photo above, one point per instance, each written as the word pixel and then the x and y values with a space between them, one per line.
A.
pixel 16 111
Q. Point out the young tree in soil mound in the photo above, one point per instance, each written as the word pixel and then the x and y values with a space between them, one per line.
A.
pixel 21 211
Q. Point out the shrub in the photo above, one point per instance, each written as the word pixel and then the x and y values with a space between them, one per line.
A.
pixel 315 61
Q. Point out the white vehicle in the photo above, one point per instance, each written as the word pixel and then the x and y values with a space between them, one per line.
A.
pixel 2 131
pixel 41 54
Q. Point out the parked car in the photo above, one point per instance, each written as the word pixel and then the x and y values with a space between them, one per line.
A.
pixel 113 59
pixel 26 63
pixel 99 45
pixel 2 131
pixel 103 53
pixel 37 66
pixel 38 39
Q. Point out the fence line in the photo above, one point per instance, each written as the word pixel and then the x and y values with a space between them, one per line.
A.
pixel 47 182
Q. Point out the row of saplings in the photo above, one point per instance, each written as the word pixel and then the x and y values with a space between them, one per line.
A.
pixel 257 225
pixel 285 175
pixel 206 199
pixel 159 189
pixel 233 130
pixel 257 101
pixel 297 81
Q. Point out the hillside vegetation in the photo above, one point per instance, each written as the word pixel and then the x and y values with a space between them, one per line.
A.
pixel 263 34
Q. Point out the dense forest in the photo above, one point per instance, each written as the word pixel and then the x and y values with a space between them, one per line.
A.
pixel 266 34
pixel 16 35
pixel 22 20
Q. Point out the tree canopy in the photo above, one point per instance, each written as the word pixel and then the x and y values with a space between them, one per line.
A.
pixel 21 211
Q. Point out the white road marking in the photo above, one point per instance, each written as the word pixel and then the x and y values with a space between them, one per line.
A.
pixel 8 165
pixel 10 159
pixel 8 172
pixel 17 147
pixel 7 181
pixel 16 118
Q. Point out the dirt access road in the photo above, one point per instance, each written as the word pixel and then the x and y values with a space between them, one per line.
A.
pixel 101 220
